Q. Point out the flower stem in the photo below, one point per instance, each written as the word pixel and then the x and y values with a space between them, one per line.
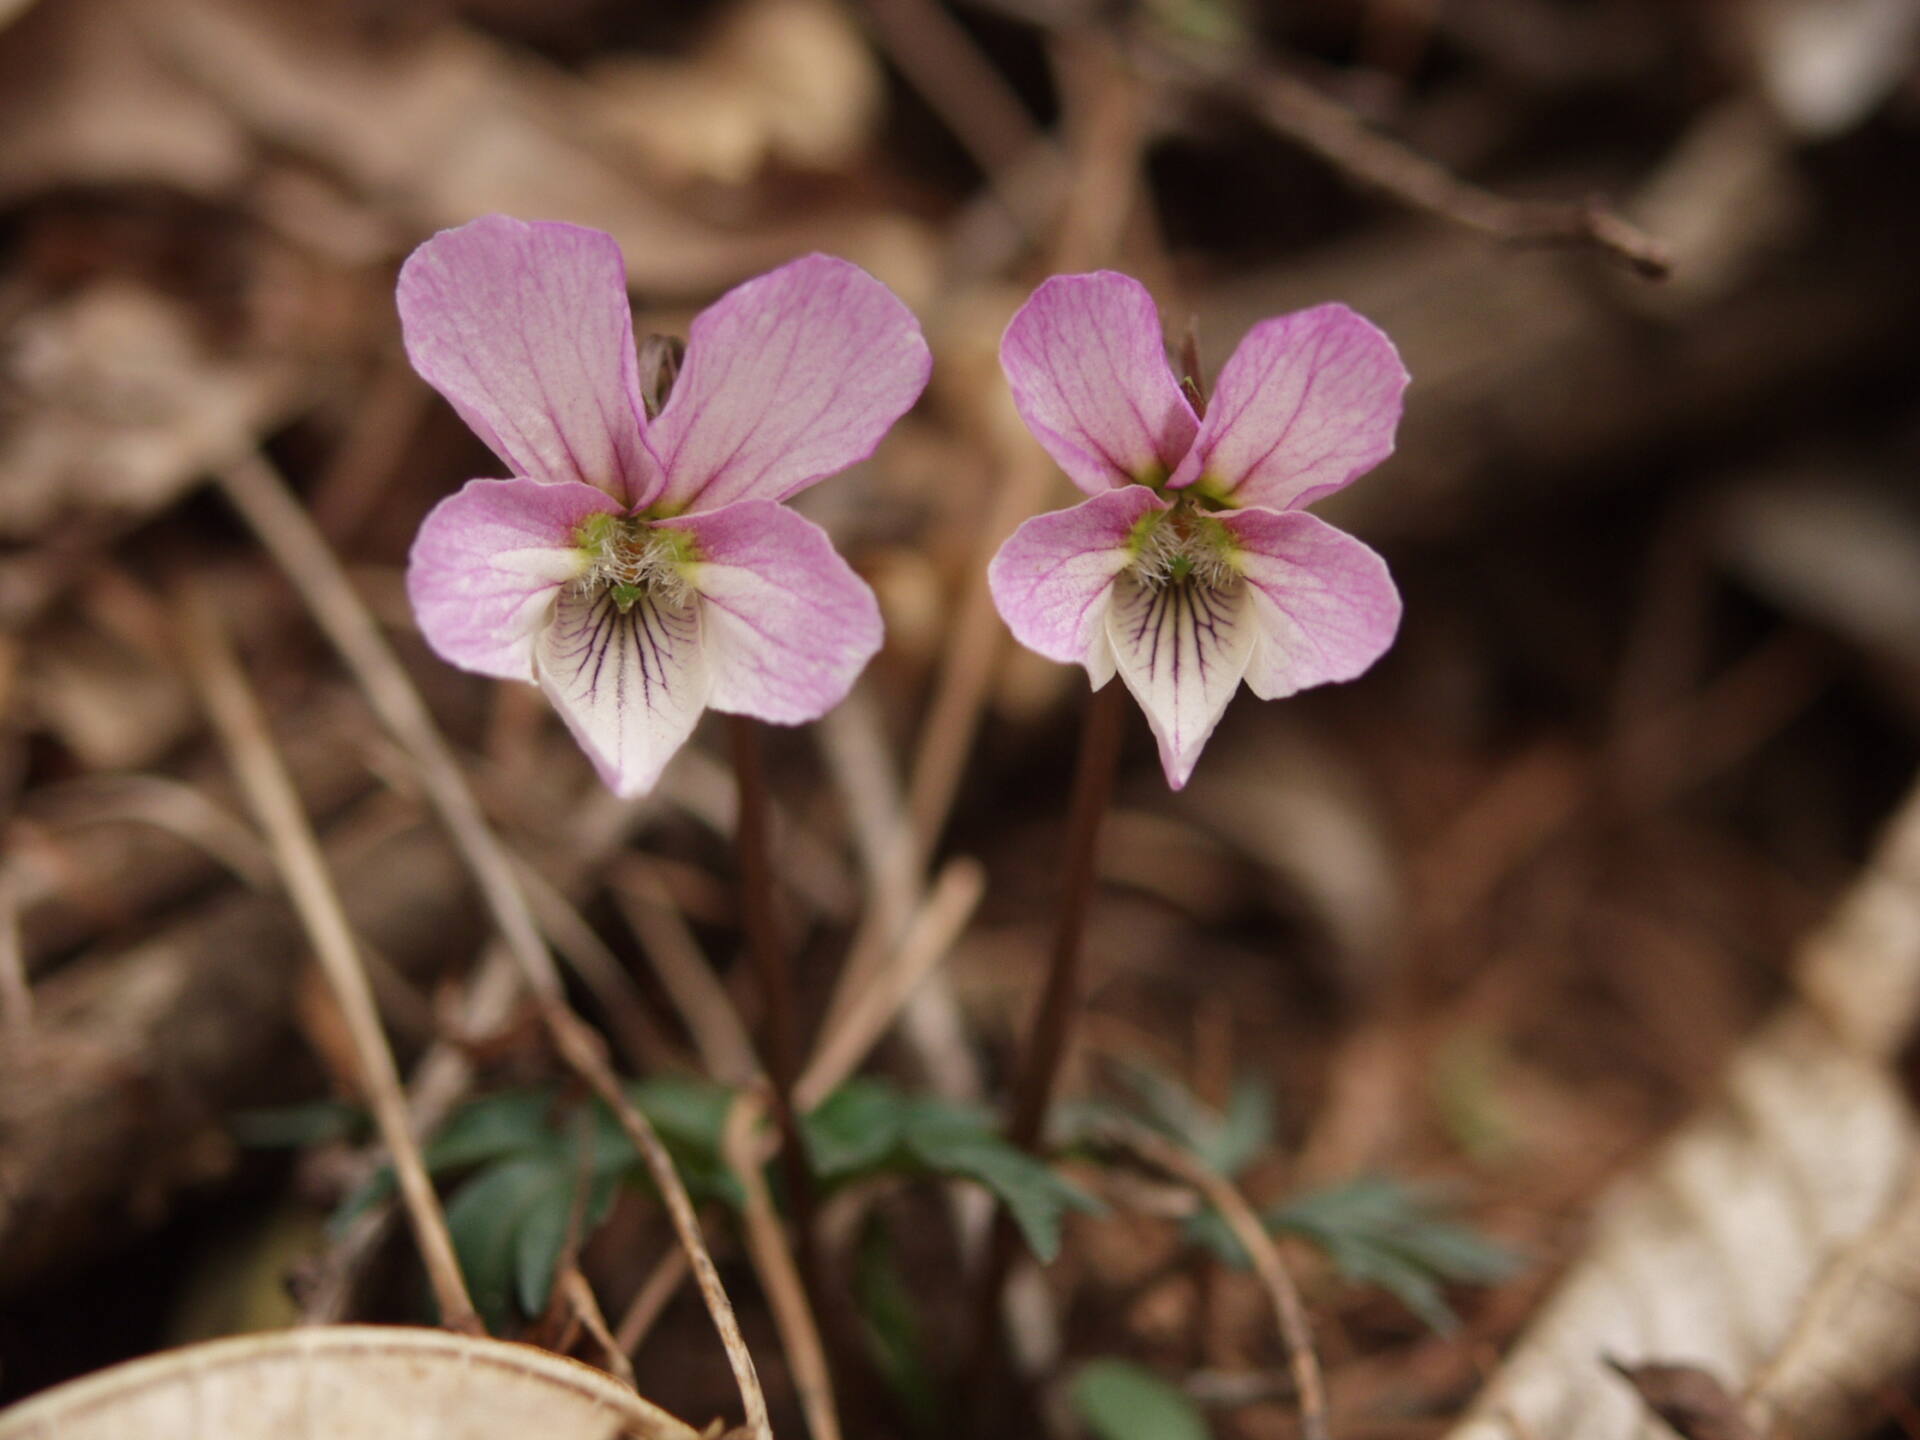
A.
pixel 760 916
pixel 1051 1037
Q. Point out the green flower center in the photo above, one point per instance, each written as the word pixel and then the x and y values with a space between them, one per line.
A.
pixel 629 560
pixel 1182 544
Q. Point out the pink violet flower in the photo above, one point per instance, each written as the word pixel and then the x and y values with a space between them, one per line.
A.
pixel 1194 565
pixel 640 568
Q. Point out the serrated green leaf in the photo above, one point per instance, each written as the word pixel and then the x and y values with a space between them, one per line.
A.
pixel 953 1140
pixel 1246 1130
pixel 855 1129
pixel 1412 1285
pixel 1378 1231
pixel 1119 1400
pixel 1167 1105
pixel 1228 1142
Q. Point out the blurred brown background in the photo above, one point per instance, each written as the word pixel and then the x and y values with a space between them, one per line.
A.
pixel 1497 916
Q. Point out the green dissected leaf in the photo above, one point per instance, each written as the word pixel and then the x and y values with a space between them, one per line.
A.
pixel 1227 1142
pixel 525 1149
pixel 1379 1231
pixel 1246 1130
pixel 855 1129
pixel 868 1127
pixel 487 1217
pixel 1119 1400
pixel 295 1127
pixel 957 1141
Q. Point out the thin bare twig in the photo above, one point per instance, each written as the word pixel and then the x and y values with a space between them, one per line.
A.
pixel 774 1263
pixel 1322 125
pixel 975 102
pixel 698 997
pixel 721 1038
pixel 930 935
pixel 774 969
pixel 442 1077
pixel 586 1308
pixel 597 966
pixel 650 1301
pixel 1221 1193
pixel 270 791
pixel 860 761
pixel 168 805
pixel 262 498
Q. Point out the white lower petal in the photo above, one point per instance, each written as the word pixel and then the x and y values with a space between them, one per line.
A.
pixel 1182 649
pixel 630 685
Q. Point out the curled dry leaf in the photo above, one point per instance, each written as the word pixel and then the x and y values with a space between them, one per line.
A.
pixel 83 101
pixel 1771 1241
pixel 779 80
pixel 1825 64
pixel 448 125
pixel 114 407
pixel 348 1382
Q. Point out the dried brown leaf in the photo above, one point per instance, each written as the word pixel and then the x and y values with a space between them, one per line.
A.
pixel 779 80
pixel 83 102
pixel 450 124
pixel 348 1382
pixel 118 407
pixel 1770 1241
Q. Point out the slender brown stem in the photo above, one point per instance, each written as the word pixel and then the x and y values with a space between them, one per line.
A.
pixel 773 966
pixel 1052 1032
pixel 1052 1035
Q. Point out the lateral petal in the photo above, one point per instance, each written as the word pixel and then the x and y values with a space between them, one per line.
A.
pixel 788 378
pixel 787 625
pixel 525 329
pixel 630 685
pixel 1181 648
pixel 1088 368
pixel 1306 403
pixel 487 564
pixel 1053 578
pixel 1323 605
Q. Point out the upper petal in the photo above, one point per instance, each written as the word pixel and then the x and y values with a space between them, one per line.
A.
pixel 1182 649
pixel 487 564
pixel 1053 577
pixel 787 379
pixel 630 684
pixel 1324 605
pixel 525 329
pixel 1088 368
pixel 788 626
pixel 1306 403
